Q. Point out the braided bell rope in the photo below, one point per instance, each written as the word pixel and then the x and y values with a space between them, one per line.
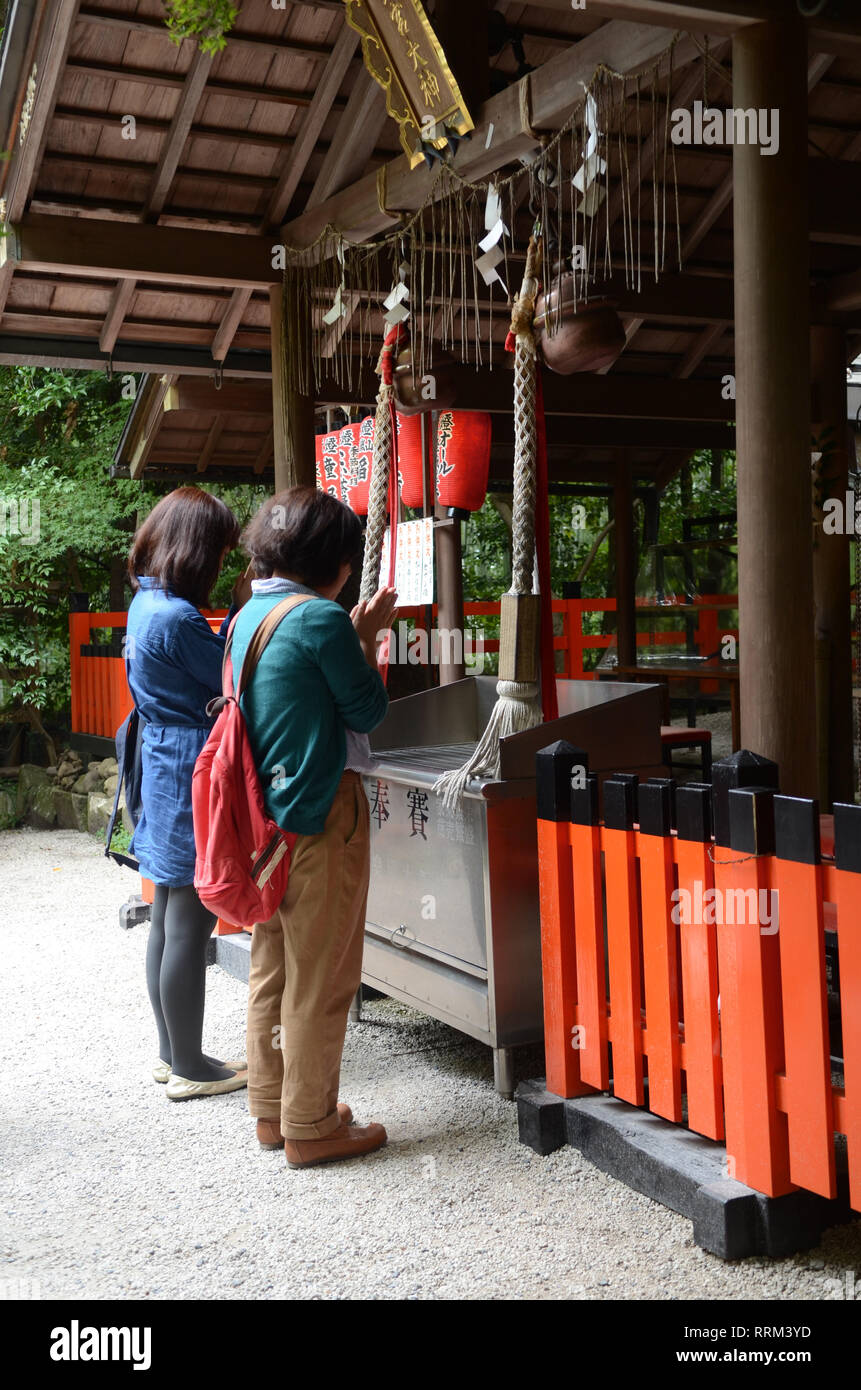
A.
pixel 381 464
pixel 517 707
pixel 525 428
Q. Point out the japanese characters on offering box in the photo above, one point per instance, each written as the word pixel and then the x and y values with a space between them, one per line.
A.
pixel 413 805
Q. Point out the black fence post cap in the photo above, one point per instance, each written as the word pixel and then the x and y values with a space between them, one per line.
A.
pixel 554 768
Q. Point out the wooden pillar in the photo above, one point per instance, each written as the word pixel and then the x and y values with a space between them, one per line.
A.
pixel 772 368
pixel 292 412
pixel 626 566
pixel 831 570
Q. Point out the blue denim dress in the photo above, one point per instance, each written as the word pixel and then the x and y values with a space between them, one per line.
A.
pixel 173 665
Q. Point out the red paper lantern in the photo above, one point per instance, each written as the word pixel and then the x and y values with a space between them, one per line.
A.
pixel 463 459
pixel 344 463
pixel 410 458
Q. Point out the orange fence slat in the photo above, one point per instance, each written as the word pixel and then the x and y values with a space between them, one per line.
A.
pixel 660 958
pixel 847 895
pixel 623 962
pixel 591 967
pixel 557 956
pixel 749 975
pixel 700 991
pixel 801 939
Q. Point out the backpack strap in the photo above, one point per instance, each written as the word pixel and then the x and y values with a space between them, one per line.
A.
pixel 259 639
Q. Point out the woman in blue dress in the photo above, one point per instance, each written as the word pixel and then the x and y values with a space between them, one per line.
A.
pixel 173 664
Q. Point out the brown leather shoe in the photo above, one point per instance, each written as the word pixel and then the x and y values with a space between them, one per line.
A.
pixel 269 1131
pixel 348 1141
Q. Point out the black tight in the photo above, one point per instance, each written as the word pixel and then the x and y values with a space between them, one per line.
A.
pixel 176 980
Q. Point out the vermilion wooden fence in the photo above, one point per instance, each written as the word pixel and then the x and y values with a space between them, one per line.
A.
pixel 101 701
pixel 721 1024
pixel 100 692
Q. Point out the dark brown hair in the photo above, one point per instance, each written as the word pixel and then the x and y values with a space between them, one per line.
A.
pixel 181 543
pixel 303 532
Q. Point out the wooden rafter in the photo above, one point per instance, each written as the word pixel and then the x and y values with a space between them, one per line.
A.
pixel 230 321
pixel 162 178
pixel 315 118
pixel 135 23
pixel 216 429
pixel 359 128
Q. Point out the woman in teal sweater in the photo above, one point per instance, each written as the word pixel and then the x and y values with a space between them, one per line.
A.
pixel 314 696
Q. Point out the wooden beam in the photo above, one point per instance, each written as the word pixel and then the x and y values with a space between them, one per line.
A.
pixel 114 250
pixel 629 48
pixel 838 36
pixel 265 451
pixel 48 72
pixel 619 396
pixel 117 309
pixel 359 128
pixel 565 432
pixel 699 348
pixel 231 319
pixel 234 398
pixel 173 146
pixel 843 292
pixel 315 119
pixel 722 196
pixel 156 77
pixel 216 429
pixel 149 417
pixel 138 24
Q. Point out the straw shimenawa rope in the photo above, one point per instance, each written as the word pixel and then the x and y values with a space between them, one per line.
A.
pixel 517 707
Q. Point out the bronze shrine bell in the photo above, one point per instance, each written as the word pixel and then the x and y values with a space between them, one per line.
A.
pixel 409 388
pixel 576 338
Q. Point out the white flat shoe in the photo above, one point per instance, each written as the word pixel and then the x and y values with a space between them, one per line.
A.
pixel 161 1070
pixel 180 1088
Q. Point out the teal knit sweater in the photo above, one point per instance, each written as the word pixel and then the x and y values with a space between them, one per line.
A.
pixel 311 682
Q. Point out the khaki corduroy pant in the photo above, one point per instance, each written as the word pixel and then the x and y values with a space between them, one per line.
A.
pixel 306 966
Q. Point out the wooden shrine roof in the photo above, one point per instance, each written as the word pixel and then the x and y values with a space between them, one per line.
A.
pixel 154 253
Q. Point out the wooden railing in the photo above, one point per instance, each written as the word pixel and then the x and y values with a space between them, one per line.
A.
pixel 709 979
pixel 100 692
pixel 101 700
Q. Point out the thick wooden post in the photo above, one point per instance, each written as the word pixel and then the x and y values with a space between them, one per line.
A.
pixel 449 588
pixel 626 567
pixel 772 355
pixel 292 412
pixel 831 571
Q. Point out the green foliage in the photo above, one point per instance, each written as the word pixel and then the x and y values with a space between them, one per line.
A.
pixel 208 21
pixel 120 840
pixel 60 519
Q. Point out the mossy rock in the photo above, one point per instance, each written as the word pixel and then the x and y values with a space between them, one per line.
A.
pixel 30 779
pixel 42 811
pixel 99 809
pixel 72 810
pixel 111 784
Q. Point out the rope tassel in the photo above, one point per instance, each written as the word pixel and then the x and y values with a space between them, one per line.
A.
pixel 518 706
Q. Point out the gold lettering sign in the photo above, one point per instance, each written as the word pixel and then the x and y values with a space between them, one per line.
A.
pixel 402 53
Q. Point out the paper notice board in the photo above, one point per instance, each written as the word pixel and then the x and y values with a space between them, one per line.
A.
pixel 413 562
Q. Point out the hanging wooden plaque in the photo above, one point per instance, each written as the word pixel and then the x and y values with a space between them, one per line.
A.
pixel 402 53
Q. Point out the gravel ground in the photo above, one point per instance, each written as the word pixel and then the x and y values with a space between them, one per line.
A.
pixel 112 1191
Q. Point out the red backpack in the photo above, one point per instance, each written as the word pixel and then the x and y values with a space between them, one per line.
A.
pixel 243 857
